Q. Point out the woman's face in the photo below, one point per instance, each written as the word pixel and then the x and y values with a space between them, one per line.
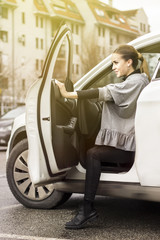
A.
pixel 120 66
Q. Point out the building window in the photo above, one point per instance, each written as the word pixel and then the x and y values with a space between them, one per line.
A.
pixel 37 64
pixel 4 83
pixel 0 62
pixel 103 51
pixel 77 69
pixel 77 29
pixel 23 84
pixel 4 12
pixel 36 42
pixel 41 22
pixel 22 61
pixel 23 40
pixel 36 21
pixel 101 32
pixel 149 28
pixel 4 60
pixel 41 43
pixel 42 62
pixel 111 41
pixel 4 36
pixel 117 38
pixel 77 49
pixel 23 17
pixel 98 50
pixel 72 28
pixel 142 27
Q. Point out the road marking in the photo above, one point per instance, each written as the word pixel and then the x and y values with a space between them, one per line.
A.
pixel 11 206
pixel 14 236
pixel 3 176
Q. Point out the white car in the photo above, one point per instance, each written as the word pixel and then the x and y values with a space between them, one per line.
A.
pixel 47 148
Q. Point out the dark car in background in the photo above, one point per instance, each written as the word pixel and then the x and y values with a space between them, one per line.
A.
pixel 6 122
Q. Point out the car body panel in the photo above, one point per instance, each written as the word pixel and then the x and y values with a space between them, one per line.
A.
pixel 147 127
pixel 41 123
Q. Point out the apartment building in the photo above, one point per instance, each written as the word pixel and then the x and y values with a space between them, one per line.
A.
pixel 27 28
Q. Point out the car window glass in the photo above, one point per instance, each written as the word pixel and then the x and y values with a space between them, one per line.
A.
pixel 14 113
pixel 106 79
pixel 158 73
pixel 60 70
pixel 110 77
pixel 152 60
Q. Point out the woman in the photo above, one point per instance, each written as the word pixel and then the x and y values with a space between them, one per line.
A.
pixel 116 138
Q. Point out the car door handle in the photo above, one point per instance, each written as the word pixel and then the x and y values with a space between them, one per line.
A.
pixel 46 119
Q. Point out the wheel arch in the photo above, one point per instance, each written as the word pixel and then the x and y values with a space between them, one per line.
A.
pixel 18 136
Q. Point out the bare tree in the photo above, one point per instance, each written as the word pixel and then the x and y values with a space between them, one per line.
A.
pixel 91 54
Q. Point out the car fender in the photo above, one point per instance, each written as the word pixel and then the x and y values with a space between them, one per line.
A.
pixel 147 129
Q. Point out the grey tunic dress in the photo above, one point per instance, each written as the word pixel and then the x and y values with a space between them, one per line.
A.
pixel 118 114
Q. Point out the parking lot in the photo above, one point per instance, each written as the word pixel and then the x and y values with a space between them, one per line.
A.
pixel 119 218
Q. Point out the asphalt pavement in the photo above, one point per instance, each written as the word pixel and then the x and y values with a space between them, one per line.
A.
pixel 119 219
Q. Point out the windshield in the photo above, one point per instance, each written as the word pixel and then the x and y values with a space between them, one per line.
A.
pixel 14 113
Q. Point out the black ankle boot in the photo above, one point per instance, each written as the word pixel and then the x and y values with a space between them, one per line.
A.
pixel 85 214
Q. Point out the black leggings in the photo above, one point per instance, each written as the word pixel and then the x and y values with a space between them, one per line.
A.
pixel 95 156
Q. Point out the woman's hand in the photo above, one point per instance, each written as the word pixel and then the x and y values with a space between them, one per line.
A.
pixel 63 91
pixel 61 88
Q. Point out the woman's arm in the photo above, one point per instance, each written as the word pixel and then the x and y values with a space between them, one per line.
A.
pixel 83 94
pixel 72 95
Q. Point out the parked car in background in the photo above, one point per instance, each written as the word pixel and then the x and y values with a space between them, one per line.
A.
pixel 46 154
pixel 6 122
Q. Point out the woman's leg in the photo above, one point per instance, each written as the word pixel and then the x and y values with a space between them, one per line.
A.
pixel 95 156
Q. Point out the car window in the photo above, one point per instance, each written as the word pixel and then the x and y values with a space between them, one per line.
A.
pixel 60 70
pixel 14 113
pixel 152 60
pixel 150 53
pixel 158 73
pixel 106 79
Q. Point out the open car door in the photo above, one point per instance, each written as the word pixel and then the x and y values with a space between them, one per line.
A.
pixel 53 146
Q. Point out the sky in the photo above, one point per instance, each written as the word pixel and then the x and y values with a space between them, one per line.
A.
pixel 151 8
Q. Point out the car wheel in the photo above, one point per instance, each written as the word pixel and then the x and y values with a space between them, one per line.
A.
pixel 21 186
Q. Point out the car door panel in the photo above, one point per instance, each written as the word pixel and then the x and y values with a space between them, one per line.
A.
pixel 66 154
pixel 55 152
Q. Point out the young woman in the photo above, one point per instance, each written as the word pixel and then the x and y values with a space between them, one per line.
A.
pixel 116 138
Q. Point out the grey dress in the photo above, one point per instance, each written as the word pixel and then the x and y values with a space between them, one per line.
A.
pixel 118 114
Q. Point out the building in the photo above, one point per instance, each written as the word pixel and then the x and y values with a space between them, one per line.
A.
pixel 27 28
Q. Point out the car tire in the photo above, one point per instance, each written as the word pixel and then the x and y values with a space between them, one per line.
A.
pixel 44 197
